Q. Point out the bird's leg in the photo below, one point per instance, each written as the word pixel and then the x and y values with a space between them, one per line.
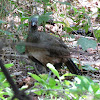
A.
pixel 45 70
pixel 35 68
pixel 40 68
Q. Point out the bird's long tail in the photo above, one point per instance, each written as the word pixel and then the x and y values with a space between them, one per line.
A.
pixel 72 67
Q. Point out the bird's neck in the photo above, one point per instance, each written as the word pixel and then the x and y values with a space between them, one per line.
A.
pixel 33 29
pixel 33 35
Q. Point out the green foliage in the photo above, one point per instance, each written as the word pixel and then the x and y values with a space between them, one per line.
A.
pixel 97 35
pixel 9 65
pixel 52 68
pixel 6 32
pixel 20 47
pixel 81 87
pixel 24 18
pixel 44 18
pixel 4 85
pixel 52 88
pixel 86 87
pixel 36 77
pixel 42 1
pixel 88 68
pixel 86 43
pixel 82 17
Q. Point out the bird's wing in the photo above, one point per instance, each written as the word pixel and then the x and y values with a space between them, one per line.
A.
pixel 55 46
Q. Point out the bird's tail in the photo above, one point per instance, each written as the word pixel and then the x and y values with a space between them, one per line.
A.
pixel 72 67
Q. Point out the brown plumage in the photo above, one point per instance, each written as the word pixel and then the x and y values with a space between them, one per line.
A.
pixel 44 48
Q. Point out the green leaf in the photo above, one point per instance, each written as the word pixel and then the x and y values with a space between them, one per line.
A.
pixel 41 1
pixel 8 65
pixel 89 68
pixel 24 18
pixel 38 1
pixel 52 82
pixel 52 68
pixel 75 9
pixel 36 77
pixel 98 39
pixel 44 18
pixel 45 1
pixel 97 96
pixel 97 35
pixel 31 67
pixel 86 27
pixel 44 76
pixel 62 15
pixel 20 47
pixel 38 92
pixel 86 43
pixel 25 24
pixel 95 87
pixel 8 33
pixel 66 3
pixel 85 83
pixel 2 76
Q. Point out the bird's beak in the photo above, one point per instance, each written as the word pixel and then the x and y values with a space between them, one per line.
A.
pixel 33 23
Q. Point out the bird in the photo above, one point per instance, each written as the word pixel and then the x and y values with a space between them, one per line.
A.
pixel 44 48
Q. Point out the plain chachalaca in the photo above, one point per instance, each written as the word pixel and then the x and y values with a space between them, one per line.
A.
pixel 44 48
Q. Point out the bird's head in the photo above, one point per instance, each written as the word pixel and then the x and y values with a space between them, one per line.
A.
pixel 33 23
